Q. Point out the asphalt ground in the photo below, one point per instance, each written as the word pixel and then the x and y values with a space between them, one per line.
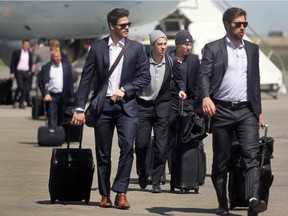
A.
pixel 24 172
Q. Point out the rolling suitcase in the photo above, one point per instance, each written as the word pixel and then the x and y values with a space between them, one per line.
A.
pixel 71 173
pixel 149 164
pixel 50 136
pixel 188 168
pixel 236 183
pixel 6 91
pixel 188 163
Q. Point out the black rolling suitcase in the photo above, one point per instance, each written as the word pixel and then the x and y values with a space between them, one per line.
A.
pixel 50 136
pixel 71 173
pixel 6 91
pixel 149 164
pixel 37 107
pixel 188 164
pixel 236 183
pixel 188 168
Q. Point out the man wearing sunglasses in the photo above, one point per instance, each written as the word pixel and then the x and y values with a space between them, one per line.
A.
pixel 115 102
pixel 229 85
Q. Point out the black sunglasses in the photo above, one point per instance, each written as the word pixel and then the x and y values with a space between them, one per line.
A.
pixel 123 26
pixel 239 24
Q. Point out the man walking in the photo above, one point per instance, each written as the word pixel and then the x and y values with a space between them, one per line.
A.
pixel 115 102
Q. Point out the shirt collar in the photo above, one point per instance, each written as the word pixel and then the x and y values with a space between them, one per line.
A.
pixel 163 61
pixel 230 44
pixel 54 66
pixel 121 43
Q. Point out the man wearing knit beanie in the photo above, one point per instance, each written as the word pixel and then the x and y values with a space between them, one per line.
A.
pixel 183 36
pixel 155 35
pixel 154 111
pixel 184 90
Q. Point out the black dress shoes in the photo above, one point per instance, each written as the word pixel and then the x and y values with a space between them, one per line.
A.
pixel 156 189
pixel 255 207
pixel 222 211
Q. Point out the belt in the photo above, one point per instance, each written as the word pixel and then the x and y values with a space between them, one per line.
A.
pixel 231 104
pixel 146 102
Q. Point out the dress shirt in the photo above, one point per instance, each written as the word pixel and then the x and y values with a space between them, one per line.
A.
pixel 115 78
pixel 55 84
pixel 23 64
pixel 234 84
pixel 157 71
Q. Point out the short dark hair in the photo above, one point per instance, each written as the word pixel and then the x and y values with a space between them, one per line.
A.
pixel 25 40
pixel 115 14
pixel 231 13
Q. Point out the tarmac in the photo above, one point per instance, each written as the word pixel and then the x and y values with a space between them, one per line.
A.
pixel 24 172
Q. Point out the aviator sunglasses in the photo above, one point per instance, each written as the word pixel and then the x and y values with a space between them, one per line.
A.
pixel 123 26
pixel 239 24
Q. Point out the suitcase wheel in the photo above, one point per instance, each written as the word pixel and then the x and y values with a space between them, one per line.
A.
pixel 87 199
pixel 183 191
pixel 172 189
pixel 53 199
pixel 196 190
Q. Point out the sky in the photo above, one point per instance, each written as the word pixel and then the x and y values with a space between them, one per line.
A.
pixel 264 16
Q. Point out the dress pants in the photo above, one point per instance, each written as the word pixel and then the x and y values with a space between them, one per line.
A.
pixel 23 86
pixel 244 123
pixel 55 110
pixel 113 116
pixel 148 120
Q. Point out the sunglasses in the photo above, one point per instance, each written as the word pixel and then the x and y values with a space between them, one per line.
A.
pixel 123 26
pixel 239 24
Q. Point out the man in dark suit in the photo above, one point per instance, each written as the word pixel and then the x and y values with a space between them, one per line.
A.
pixel 115 102
pixel 21 69
pixel 55 81
pixel 154 111
pixel 230 90
pixel 185 73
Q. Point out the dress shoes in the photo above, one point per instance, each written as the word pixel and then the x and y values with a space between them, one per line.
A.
pixel 222 211
pixel 121 201
pixel 105 202
pixel 156 189
pixel 256 206
pixel 142 180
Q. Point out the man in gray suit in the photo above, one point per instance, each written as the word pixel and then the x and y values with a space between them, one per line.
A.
pixel 229 85
pixel 117 105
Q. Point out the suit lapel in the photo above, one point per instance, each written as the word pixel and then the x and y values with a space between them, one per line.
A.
pixel 224 51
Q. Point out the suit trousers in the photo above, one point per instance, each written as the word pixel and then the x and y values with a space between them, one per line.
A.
pixel 55 110
pixel 23 79
pixel 244 123
pixel 148 120
pixel 113 116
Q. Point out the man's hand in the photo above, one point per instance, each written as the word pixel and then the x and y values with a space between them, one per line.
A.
pixel 117 96
pixel 47 98
pixel 78 118
pixel 261 121
pixel 182 95
pixel 208 106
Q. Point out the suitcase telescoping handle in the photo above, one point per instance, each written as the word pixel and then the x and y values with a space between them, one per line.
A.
pixel 264 150
pixel 69 135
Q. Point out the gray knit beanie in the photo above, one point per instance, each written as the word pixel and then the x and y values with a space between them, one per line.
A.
pixel 155 35
pixel 183 36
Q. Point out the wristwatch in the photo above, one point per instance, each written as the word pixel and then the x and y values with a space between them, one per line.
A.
pixel 122 89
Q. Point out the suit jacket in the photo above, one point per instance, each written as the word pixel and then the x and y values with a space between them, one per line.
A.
pixel 135 75
pixel 44 76
pixel 214 65
pixel 163 100
pixel 190 88
pixel 16 58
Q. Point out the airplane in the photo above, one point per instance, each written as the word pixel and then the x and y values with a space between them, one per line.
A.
pixel 68 20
